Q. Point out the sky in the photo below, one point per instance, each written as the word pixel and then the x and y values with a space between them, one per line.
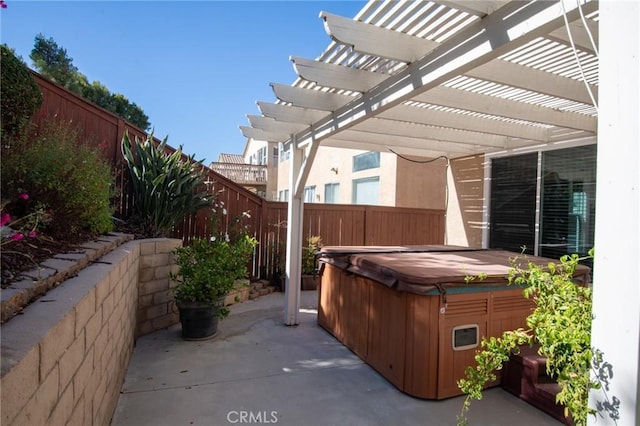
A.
pixel 196 68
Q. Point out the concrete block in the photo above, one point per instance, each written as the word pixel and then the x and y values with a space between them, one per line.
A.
pixel 162 322
pixel 145 301
pixel 153 286
pixel 84 374
pixel 162 297
pixel 84 310
pixel 153 260
pixel 93 327
pixel 99 346
pixel 71 360
pixel 42 403
pixel 108 305
pixel 168 245
pixel 146 274
pixel 19 384
pixel 156 311
pixel 56 342
pixel 63 408
pixel 77 414
pixel 161 272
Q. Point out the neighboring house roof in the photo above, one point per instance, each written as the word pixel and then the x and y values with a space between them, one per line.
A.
pixel 231 158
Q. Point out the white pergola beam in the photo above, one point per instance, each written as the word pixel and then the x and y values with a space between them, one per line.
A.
pixel 261 135
pixel 578 34
pixel 291 114
pixel 372 40
pixel 433 117
pixel 381 140
pixel 308 98
pixel 511 27
pixel 399 149
pixel 510 74
pixel 474 7
pixel 336 76
pixel 415 130
pixel 270 125
pixel 492 105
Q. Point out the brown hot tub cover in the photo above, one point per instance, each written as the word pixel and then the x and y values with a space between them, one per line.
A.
pixel 428 269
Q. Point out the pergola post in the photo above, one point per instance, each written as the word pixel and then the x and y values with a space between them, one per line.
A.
pixel 616 301
pixel 294 239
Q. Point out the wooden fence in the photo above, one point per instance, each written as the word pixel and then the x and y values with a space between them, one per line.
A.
pixel 337 224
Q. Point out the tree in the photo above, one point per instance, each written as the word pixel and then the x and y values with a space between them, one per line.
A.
pixel 53 62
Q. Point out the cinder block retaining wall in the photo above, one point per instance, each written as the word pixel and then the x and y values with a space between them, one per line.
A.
pixel 64 359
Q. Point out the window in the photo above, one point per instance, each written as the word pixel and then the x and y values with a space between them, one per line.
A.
pixel 331 192
pixel 284 153
pixel 283 195
pixel 369 160
pixel 565 208
pixel 275 153
pixel 309 194
pixel 513 202
pixel 366 191
pixel 262 156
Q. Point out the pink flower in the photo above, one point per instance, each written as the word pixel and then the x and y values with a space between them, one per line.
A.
pixel 24 196
pixel 4 219
pixel 3 4
pixel 32 234
pixel 17 237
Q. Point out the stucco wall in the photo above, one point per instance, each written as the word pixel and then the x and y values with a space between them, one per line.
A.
pixel 64 359
pixel 466 201
pixel 420 184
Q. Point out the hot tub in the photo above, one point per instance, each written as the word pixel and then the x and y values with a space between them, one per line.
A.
pixel 409 313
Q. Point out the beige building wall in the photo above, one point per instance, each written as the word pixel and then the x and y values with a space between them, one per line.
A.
pixel 421 185
pixel 335 165
pixel 465 209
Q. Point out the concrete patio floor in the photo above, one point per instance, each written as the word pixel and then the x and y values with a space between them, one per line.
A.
pixel 259 371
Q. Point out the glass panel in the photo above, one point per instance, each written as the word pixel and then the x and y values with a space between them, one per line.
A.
pixel 331 192
pixel 366 191
pixel 369 160
pixel 310 194
pixel 513 203
pixel 568 201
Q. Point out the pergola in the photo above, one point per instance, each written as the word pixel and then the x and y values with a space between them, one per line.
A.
pixel 458 78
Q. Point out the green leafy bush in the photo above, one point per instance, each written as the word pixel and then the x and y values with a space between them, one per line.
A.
pixel 166 187
pixel 560 324
pixel 208 269
pixel 20 95
pixel 314 243
pixel 66 178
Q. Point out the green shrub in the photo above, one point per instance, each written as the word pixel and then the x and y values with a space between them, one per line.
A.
pixel 166 187
pixel 20 96
pixel 560 324
pixel 67 178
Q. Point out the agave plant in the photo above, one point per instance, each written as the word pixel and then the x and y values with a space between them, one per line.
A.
pixel 166 187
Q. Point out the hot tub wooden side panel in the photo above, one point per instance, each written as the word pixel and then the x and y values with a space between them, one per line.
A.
pixel 329 299
pixel 421 355
pixel 459 310
pixel 386 340
pixel 343 308
pixel 509 311
pixel 354 313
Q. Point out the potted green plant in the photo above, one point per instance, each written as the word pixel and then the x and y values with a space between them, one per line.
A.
pixel 207 272
pixel 308 280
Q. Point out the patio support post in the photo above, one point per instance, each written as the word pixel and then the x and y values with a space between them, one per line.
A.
pixel 616 289
pixel 294 239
